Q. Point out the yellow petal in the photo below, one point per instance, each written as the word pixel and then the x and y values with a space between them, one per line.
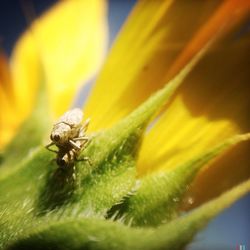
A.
pixel 69 39
pixel 149 42
pixel 227 15
pixel 7 118
pixel 5 77
pixel 212 105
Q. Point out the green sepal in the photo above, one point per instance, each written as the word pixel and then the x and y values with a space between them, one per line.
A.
pixel 157 198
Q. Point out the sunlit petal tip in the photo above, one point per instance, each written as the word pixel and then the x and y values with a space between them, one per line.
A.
pixel 70 41
pixel 244 137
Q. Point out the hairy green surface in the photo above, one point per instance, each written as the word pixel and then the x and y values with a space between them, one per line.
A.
pixel 104 235
pixel 101 205
pixel 149 207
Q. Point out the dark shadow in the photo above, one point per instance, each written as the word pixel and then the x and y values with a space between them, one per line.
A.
pixel 58 189
pixel 218 88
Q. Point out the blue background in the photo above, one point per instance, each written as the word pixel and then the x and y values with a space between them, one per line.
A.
pixel 225 232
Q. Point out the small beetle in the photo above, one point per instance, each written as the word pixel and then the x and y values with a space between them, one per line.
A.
pixel 68 134
pixel 69 129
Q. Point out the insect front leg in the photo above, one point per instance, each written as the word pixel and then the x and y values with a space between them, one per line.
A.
pixel 83 140
pixel 49 145
pixel 74 145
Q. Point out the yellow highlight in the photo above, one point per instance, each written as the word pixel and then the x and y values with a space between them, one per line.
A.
pixel 69 41
pixel 8 122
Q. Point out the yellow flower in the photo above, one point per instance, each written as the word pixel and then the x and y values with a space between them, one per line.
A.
pixel 157 41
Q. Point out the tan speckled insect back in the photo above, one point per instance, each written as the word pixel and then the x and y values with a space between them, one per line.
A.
pixel 68 134
pixel 67 127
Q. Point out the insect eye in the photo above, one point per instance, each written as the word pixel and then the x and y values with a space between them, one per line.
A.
pixel 56 137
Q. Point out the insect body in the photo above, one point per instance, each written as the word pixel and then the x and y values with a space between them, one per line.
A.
pixel 68 134
pixel 66 157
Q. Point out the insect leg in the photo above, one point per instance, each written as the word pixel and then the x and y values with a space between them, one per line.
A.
pixel 49 145
pixel 85 125
pixel 82 138
pixel 74 145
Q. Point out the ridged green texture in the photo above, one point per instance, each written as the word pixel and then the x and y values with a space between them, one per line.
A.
pixel 106 235
pixel 149 207
pixel 95 206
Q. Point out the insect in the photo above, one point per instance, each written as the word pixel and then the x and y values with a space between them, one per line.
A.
pixel 69 135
